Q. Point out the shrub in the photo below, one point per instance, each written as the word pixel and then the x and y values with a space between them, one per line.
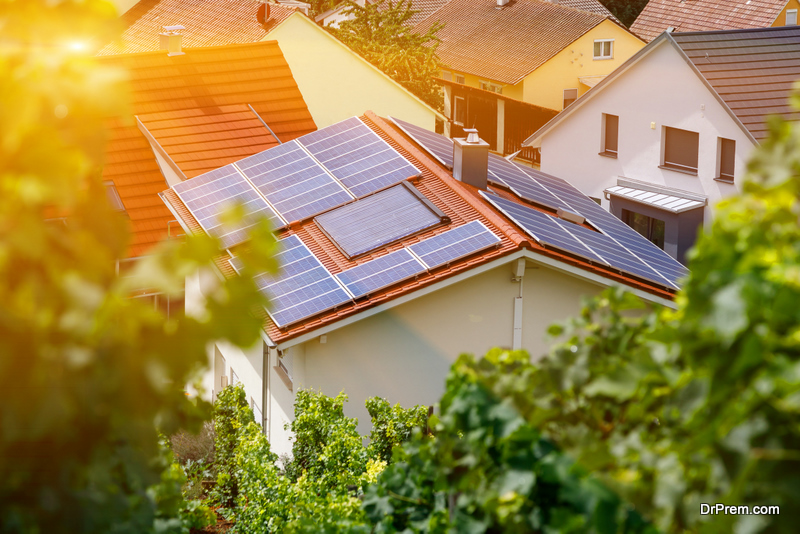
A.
pixel 231 415
pixel 391 426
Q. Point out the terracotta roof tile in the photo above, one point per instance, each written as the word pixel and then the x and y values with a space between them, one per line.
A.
pixel 460 202
pixel 704 15
pixel 207 23
pixel 196 106
pixel 506 44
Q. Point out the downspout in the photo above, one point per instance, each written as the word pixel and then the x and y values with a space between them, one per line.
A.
pixel 519 274
pixel 265 404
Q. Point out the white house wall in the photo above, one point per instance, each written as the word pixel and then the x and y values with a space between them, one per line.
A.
pixel 662 89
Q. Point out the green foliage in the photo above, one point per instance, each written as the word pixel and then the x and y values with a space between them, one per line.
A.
pixel 489 470
pixel 625 10
pixel 87 371
pixel 391 426
pixel 232 414
pixel 377 33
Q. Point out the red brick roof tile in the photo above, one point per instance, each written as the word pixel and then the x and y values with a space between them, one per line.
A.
pixel 704 15
pixel 203 96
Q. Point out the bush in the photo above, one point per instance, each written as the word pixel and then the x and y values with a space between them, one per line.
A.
pixel 232 413
pixel 391 426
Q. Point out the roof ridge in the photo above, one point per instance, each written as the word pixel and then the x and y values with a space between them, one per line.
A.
pixel 511 232
pixel 209 49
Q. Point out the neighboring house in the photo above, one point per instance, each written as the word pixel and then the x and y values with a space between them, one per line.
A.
pixel 667 135
pixel 336 83
pixel 423 9
pixel 708 15
pixel 398 267
pixel 534 52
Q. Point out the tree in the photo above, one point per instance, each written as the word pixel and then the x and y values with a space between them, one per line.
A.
pixel 625 10
pixel 88 374
pixel 378 33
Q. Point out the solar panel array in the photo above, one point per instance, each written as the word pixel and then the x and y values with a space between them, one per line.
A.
pixel 303 287
pixel 378 220
pixel 575 239
pixel 209 195
pixel 382 272
pixel 553 192
pixel 454 244
pixel 295 184
pixel 357 157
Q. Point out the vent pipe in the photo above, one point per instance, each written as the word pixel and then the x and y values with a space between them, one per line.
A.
pixel 471 159
pixel 170 40
pixel 501 4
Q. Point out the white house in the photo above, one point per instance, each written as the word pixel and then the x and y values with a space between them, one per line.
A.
pixel 667 135
pixel 402 263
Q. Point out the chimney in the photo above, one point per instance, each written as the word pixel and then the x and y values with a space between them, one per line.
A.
pixel 170 40
pixel 501 4
pixel 471 159
pixel 262 15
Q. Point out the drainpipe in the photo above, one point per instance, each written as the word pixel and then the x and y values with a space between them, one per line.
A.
pixel 265 404
pixel 519 273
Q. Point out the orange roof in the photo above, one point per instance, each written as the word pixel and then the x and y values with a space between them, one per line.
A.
pixel 460 202
pixel 705 15
pixel 207 23
pixel 195 104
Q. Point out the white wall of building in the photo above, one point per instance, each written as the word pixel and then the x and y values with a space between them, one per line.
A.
pixel 662 89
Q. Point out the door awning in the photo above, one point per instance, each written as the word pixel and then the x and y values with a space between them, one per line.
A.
pixel 663 201
pixel 591 81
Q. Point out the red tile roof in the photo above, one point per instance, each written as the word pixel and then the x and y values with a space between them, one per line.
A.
pixel 460 202
pixel 505 45
pixel 207 23
pixel 208 82
pixel 704 15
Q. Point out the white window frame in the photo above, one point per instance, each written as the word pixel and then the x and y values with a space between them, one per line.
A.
pixel 564 97
pixel 793 12
pixel 456 106
pixel 447 75
pixel 727 178
pixel 460 79
pixel 491 86
pixel 602 55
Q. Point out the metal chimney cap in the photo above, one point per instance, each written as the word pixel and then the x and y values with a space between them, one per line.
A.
pixel 472 135
pixel 172 29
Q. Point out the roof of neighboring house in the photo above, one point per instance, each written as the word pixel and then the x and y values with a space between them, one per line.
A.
pixel 207 23
pixel 750 72
pixel 195 106
pixel 507 44
pixel 705 15
pixel 460 204
pixel 753 71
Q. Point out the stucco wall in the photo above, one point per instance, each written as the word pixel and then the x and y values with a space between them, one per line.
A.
pixel 663 89
pixel 545 86
pixel 780 20
pixel 336 83
pixel 404 353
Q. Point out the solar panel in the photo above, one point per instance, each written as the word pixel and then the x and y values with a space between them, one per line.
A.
pixel 438 146
pixel 509 174
pixel 302 288
pixel 295 184
pixel 381 272
pixel 454 244
pixel 209 195
pixel 379 219
pixel 236 263
pixel 357 157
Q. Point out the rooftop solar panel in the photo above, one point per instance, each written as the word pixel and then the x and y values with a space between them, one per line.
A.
pixel 302 288
pixel 295 184
pixel 522 184
pixel 438 146
pixel 543 228
pixel 379 219
pixel 357 157
pixel 454 244
pixel 379 273
pixel 209 195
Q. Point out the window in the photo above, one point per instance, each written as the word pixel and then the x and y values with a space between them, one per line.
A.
pixel 597 201
pixel 460 79
pixel 649 227
pixel 459 110
pixel 791 17
pixel 113 196
pixel 570 96
pixel 447 75
pixel 604 49
pixel 680 150
pixel 493 87
pixel 726 153
pixel 610 135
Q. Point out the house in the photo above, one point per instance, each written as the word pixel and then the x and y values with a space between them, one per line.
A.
pixel 420 248
pixel 423 8
pixel 538 56
pixel 667 135
pixel 336 83
pixel 708 15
